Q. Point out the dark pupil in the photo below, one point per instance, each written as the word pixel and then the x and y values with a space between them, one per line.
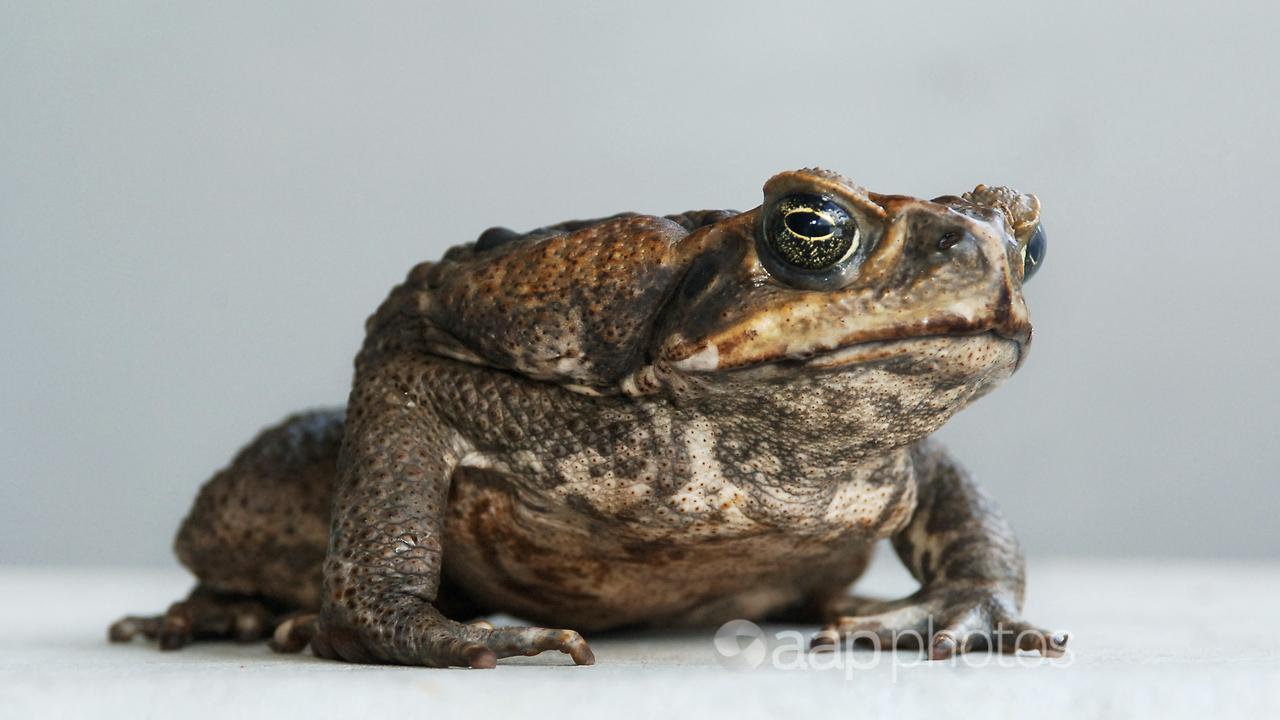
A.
pixel 808 224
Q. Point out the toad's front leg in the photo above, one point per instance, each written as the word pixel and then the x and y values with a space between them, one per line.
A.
pixel 382 572
pixel 970 570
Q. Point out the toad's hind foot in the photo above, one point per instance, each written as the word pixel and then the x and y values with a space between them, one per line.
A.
pixel 294 633
pixel 204 615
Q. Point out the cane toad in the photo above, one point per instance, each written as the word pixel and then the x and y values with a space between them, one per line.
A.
pixel 642 420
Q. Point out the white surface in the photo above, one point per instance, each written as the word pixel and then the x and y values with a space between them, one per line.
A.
pixel 1174 638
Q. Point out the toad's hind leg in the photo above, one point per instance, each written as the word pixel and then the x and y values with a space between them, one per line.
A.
pixel 255 539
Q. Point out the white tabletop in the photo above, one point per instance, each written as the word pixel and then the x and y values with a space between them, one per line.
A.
pixel 1168 637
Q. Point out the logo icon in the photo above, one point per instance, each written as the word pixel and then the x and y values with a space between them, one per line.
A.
pixel 740 645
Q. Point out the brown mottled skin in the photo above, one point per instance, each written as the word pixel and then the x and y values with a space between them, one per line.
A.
pixel 638 420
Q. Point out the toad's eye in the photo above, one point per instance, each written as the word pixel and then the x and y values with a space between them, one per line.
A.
pixel 809 233
pixel 1033 254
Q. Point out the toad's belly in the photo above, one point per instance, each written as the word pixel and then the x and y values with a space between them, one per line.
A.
pixel 567 565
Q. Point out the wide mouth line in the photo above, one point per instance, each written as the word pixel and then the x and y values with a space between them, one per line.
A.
pixel 816 359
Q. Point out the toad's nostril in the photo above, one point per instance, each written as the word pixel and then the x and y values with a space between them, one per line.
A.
pixel 950 239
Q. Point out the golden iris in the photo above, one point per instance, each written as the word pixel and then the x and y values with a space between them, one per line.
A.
pixel 810 232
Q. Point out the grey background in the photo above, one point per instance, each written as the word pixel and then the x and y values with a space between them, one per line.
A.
pixel 199 205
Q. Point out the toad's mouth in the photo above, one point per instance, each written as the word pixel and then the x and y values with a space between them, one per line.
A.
pixel 914 346
pixel 973 347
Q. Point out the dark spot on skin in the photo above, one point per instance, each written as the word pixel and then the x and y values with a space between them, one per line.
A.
pixel 582 505
pixel 654 553
pixel 1002 306
pixel 926 565
pixel 699 276
pixel 495 237
pixel 946 518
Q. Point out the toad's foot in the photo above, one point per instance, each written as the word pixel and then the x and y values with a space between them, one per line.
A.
pixel 294 633
pixel 435 641
pixel 205 615
pixel 947 620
